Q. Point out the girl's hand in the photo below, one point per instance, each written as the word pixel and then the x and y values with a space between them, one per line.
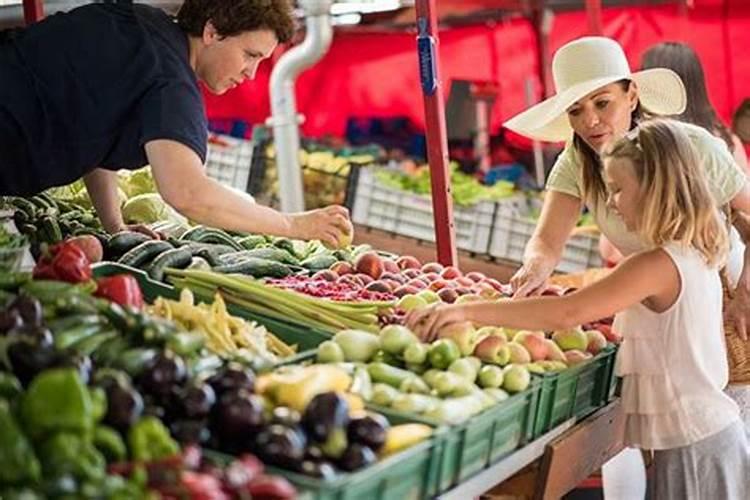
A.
pixel 529 280
pixel 331 225
pixel 427 322
pixel 738 311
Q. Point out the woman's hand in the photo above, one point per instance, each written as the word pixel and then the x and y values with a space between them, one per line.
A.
pixel 139 228
pixel 530 279
pixel 737 311
pixel 427 322
pixel 331 225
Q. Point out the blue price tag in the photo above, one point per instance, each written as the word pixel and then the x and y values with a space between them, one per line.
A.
pixel 427 64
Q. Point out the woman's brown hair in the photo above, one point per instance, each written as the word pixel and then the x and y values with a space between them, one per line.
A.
pixel 683 60
pixel 231 18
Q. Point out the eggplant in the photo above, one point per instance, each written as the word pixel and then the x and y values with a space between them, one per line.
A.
pixel 29 308
pixel 124 406
pixel 355 457
pixel 40 335
pixel 195 401
pixel 27 359
pixel 281 446
pixel 81 363
pixel 165 372
pixel 190 431
pixel 285 416
pixel 232 377
pixel 237 415
pixel 321 470
pixel 10 319
pixel 325 413
pixel 369 430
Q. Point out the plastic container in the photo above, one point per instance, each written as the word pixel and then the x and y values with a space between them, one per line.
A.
pixel 229 160
pixel 410 474
pixel 575 392
pixel 511 232
pixel 482 440
pixel 304 338
pixel 407 214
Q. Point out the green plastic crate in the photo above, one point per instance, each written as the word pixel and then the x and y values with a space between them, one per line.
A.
pixel 409 475
pixel 484 439
pixel 306 339
pixel 575 392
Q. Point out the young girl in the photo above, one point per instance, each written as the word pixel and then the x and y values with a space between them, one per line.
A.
pixel 668 301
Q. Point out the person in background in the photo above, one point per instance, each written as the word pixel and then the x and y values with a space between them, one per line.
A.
pixel 668 305
pixel 111 86
pixel 683 60
pixel 741 123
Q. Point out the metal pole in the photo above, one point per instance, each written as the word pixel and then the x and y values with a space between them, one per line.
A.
pixel 594 14
pixel 437 142
pixel 33 10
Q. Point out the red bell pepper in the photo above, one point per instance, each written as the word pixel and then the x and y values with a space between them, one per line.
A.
pixel 121 289
pixel 64 262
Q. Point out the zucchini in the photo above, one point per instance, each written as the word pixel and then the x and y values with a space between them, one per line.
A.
pixel 285 244
pixel 24 205
pixel 144 253
pixel 122 242
pixel 257 268
pixel 177 258
pixel 319 263
pixel 252 241
pixel 267 253
pixel 217 236
pixel 50 230
pixel 193 233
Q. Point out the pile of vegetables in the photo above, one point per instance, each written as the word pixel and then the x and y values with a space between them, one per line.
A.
pixel 257 297
pixel 12 247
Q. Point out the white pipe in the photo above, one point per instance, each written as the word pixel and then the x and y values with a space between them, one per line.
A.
pixel 283 106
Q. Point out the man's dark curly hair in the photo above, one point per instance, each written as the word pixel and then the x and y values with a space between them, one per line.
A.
pixel 231 18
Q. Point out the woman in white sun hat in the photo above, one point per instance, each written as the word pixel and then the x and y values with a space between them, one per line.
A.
pixel 599 99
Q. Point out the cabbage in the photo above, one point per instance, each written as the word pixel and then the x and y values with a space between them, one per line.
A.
pixel 136 182
pixel 145 209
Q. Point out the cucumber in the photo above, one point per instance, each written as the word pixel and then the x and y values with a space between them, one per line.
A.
pixel 144 253
pixel 50 230
pixel 319 262
pixel 25 205
pixel 177 257
pixel 217 236
pixel 120 243
pixel 257 268
pixel 193 233
pixel 252 241
pixel 266 253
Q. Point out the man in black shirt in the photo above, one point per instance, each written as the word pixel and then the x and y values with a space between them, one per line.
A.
pixel 115 86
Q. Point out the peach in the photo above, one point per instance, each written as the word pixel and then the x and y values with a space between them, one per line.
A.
pixel 326 275
pixel 378 286
pixel 411 273
pixel 408 262
pixel 438 284
pixel 369 263
pixel 405 290
pixel 450 273
pixel 597 341
pixel 518 353
pixel 366 279
pixel 464 281
pixel 492 349
pixel 393 276
pixel 432 267
pixel 475 276
pixel 448 295
pixel 430 277
pixel 575 357
pixel 390 266
pixel 463 334
pixel 341 268
pixel 417 283
pixel 554 353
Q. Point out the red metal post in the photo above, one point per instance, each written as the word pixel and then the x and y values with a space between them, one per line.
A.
pixel 594 14
pixel 33 10
pixel 437 140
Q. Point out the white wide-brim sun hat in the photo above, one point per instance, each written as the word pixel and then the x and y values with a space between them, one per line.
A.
pixel 584 65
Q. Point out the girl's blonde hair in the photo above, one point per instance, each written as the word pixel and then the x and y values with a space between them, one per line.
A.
pixel 677 205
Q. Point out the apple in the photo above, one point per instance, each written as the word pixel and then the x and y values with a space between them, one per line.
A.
pixel 417 283
pixel 405 290
pixel 516 378
pixel 576 357
pixel 393 276
pixel 407 262
pixel 429 296
pixel 438 284
pixel 475 276
pixel 450 273
pixel 432 267
pixel 554 353
pixel 341 268
pixel 518 353
pixel 390 266
pixel 326 275
pixel 411 302
pixel 571 339
pixel 597 341
pixel 411 273
pixel 448 295
pixel 369 263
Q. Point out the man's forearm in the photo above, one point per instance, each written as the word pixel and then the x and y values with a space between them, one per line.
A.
pixel 102 188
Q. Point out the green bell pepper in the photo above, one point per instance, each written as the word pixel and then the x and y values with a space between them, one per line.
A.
pixel 10 387
pixel 18 464
pixel 149 440
pixel 109 442
pixel 68 453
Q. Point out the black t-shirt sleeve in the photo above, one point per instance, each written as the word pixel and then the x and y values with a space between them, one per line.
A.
pixel 174 110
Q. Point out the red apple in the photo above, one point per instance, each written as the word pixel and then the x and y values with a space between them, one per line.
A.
pixel 475 276
pixel 326 275
pixel 448 295
pixel 405 290
pixel 341 268
pixel 432 267
pixel 417 283
pixel 394 276
pixel 439 284
pixel 407 262
pixel 451 273
pixel 369 263
pixel 390 266
pixel 411 273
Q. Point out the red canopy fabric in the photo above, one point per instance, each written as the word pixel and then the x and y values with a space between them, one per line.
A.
pixel 376 74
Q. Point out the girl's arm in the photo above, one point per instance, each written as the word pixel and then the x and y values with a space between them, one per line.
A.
pixel 559 215
pixel 650 274
pixel 738 310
